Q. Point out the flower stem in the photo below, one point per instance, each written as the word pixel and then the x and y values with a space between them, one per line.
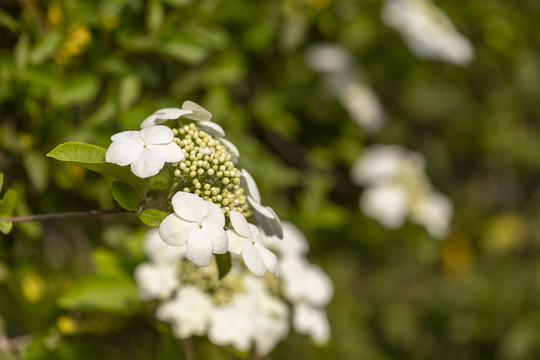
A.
pixel 45 217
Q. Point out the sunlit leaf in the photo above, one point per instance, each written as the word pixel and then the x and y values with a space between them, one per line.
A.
pixel 152 217
pixel 92 157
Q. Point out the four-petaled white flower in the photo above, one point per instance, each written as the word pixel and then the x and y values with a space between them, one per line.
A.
pixel 189 312
pixel 246 239
pixel 197 223
pixel 189 110
pixel 266 216
pixel 146 151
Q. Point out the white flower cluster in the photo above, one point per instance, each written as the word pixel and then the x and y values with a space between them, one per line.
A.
pixel 397 186
pixel 239 310
pixel 215 193
pixel 428 31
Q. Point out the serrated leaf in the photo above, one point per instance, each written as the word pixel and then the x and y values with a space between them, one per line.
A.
pixel 8 203
pixel 125 195
pixel 103 293
pixel 153 217
pixel 224 264
pixel 5 226
pixel 92 157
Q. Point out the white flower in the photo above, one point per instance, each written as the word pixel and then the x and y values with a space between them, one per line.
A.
pixel 428 31
pixel 294 243
pixel 189 110
pixel 266 216
pixel 197 223
pixel 311 321
pixel 386 203
pixel 159 252
pixel 434 212
pixel 246 239
pixel 305 282
pixel 156 281
pixel 146 151
pixel 232 324
pixel 189 312
pixel 231 149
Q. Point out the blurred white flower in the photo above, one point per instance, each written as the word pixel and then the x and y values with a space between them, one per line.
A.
pixel 246 240
pixel 328 58
pixel 382 163
pixel 156 281
pixel 428 31
pixel 197 223
pixel 363 106
pixel 311 321
pixel 188 313
pixel 146 151
pixel 387 203
pixel 397 187
pixel 160 252
pixel 305 282
pixel 265 215
pixel 294 243
pixel 434 212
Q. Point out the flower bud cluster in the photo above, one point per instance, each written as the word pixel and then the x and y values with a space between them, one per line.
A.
pixel 208 171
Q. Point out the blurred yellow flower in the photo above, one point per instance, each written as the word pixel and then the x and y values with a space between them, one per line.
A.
pixel 78 38
pixel 32 287
pixel 54 14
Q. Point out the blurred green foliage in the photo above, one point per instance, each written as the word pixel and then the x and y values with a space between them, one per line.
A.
pixel 75 70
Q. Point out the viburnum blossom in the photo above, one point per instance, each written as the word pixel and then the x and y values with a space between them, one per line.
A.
pixel 189 110
pixel 146 151
pixel 197 223
pixel 246 239
pixel 266 216
pixel 156 281
pixel 189 312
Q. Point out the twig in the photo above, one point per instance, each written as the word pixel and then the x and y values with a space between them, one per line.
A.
pixel 45 217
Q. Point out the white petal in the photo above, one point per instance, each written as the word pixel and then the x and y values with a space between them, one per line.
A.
pixel 171 113
pixel 211 128
pixel 219 238
pixel 158 134
pixel 189 207
pixel 175 231
pixel 171 152
pixel 239 223
pixel 199 248
pixel 215 216
pixel 199 113
pixel 123 153
pixel 148 163
pixel 250 185
pixel 128 135
pixel 269 258
pixel 236 242
pixel 270 225
pixel 253 261
pixel 312 321
pixel 152 120
pixel 261 209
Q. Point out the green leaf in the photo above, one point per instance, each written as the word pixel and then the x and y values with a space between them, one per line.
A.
pixel 103 293
pixel 81 90
pixel 92 157
pixel 5 226
pixel 125 195
pixel 191 54
pixel 224 264
pixel 8 203
pixel 36 168
pixel 46 47
pixel 153 217
pixel 1 180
